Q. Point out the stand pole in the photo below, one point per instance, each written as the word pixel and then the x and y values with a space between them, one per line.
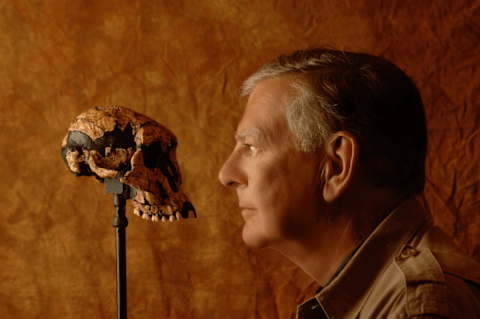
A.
pixel 120 222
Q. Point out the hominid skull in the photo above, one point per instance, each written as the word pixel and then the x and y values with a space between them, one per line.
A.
pixel 116 142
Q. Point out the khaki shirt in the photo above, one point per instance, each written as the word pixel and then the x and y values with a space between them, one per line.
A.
pixel 406 268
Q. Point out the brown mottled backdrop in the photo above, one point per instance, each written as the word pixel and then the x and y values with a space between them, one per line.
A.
pixel 181 63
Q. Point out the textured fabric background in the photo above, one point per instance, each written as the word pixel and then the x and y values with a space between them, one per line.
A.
pixel 181 63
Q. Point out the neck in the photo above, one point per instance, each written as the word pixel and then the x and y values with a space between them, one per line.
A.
pixel 323 249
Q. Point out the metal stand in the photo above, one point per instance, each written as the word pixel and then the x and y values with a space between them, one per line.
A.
pixel 120 194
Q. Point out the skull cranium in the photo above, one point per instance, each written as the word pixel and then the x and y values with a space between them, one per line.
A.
pixel 116 142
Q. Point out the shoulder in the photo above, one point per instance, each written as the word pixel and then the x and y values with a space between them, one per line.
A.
pixel 424 282
pixel 415 285
pixel 407 268
pixel 437 286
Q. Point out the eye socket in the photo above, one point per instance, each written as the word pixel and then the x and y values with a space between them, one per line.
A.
pixel 151 155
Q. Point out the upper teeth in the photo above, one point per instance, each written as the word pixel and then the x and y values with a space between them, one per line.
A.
pixel 156 213
pixel 178 215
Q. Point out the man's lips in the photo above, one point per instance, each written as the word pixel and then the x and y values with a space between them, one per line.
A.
pixel 246 212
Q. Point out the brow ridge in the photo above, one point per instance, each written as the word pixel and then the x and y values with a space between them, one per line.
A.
pixel 255 133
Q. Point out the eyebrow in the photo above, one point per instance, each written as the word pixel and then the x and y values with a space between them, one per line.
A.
pixel 254 132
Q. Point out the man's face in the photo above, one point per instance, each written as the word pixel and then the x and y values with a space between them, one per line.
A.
pixel 275 183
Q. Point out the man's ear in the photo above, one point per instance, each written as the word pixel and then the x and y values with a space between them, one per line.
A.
pixel 341 157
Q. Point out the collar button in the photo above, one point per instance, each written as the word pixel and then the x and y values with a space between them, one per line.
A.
pixel 408 252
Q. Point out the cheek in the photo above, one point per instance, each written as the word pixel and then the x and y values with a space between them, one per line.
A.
pixel 275 192
pixel 283 194
pixel 297 188
pixel 268 182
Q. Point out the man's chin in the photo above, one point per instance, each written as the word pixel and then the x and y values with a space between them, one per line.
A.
pixel 252 239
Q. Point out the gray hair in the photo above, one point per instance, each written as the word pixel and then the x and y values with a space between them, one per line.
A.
pixel 307 114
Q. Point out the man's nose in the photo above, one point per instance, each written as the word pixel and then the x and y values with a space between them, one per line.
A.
pixel 228 174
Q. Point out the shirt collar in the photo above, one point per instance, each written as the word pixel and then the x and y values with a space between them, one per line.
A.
pixel 340 268
pixel 344 296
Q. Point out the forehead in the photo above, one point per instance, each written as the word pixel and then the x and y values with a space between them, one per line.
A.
pixel 265 109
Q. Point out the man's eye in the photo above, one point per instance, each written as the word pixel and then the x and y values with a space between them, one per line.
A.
pixel 251 149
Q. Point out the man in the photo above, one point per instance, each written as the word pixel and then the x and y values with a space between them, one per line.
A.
pixel 329 155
